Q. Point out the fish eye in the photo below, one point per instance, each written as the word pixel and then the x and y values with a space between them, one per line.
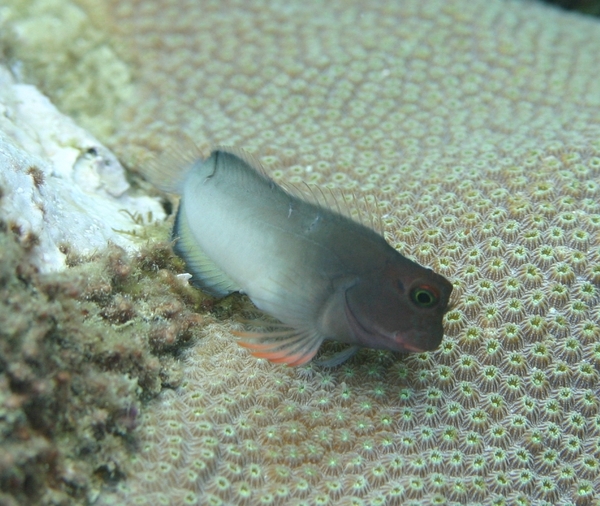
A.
pixel 424 296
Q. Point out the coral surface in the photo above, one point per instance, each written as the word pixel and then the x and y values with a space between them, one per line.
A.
pixel 475 124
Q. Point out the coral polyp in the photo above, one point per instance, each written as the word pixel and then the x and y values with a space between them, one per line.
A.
pixel 475 124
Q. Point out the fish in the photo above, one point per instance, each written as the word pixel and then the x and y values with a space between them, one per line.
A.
pixel 323 275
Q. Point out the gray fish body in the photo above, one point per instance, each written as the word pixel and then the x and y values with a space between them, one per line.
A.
pixel 313 269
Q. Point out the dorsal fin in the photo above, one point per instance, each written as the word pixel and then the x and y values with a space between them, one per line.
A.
pixel 357 206
pixel 168 171
pixel 360 208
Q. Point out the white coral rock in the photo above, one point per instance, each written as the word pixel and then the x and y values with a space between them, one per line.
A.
pixel 60 188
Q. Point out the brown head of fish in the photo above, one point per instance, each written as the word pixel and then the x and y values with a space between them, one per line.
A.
pixel 399 307
pixel 323 275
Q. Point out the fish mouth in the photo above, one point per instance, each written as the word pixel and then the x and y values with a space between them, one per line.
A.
pixel 377 338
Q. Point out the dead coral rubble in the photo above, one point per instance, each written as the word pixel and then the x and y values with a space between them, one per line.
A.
pixel 80 353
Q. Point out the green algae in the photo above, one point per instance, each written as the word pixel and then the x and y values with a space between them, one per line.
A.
pixel 54 45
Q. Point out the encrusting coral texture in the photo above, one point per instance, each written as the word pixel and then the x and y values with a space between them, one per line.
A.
pixel 475 125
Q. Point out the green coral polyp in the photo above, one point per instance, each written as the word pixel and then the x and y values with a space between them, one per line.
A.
pixel 480 181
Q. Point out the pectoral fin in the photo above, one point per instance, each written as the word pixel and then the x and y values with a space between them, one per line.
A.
pixel 338 358
pixel 289 346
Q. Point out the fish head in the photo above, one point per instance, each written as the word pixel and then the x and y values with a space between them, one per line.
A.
pixel 399 307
